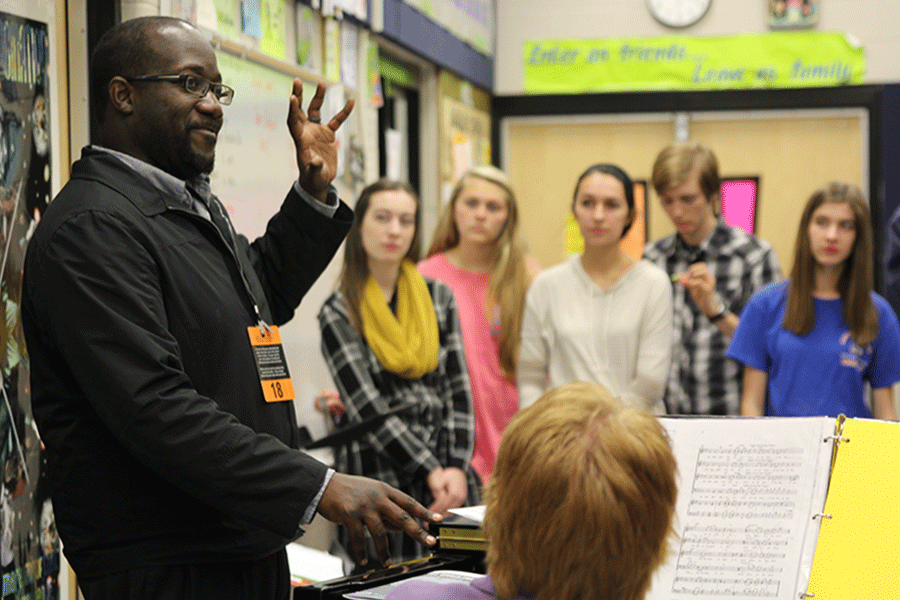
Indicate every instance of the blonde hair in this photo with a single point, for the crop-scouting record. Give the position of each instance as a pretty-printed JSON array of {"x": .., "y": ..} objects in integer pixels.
[
  {"x": 855, "y": 283},
  {"x": 509, "y": 277},
  {"x": 677, "y": 162},
  {"x": 581, "y": 499}
]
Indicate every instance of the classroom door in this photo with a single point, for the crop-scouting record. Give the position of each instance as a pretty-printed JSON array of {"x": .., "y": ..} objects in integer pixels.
[{"x": 792, "y": 153}]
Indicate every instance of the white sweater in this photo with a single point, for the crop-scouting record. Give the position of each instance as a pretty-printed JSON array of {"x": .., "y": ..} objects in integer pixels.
[{"x": 574, "y": 331}]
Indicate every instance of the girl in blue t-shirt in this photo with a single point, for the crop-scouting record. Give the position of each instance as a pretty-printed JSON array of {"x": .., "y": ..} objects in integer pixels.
[{"x": 809, "y": 344}]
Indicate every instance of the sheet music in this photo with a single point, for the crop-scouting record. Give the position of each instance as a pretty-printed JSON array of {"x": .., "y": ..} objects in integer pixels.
[
  {"x": 475, "y": 513},
  {"x": 748, "y": 490}
]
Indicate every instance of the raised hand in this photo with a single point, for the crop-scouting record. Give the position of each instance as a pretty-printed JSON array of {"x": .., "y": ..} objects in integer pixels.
[{"x": 316, "y": 151}]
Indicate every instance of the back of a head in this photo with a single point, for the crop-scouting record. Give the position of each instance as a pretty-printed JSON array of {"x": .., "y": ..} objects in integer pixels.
[
  {"x": 679, "y": 161},
  {"x": 581, "y": 499}
]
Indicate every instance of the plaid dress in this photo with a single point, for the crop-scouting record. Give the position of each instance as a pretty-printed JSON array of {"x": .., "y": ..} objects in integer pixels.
[
  {"x": 438, "y": 432},
  {"x": 702, "y": 380}
]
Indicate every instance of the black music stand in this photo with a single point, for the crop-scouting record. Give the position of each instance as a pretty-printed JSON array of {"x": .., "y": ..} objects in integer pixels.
[{"x": 345, "y": 435}]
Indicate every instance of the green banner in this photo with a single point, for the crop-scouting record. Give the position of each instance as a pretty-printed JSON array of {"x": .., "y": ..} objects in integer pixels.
[{"x": 775, "y": 60}]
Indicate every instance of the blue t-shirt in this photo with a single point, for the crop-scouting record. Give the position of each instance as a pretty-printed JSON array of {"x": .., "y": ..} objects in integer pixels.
[{"x": 823, "y": 372}]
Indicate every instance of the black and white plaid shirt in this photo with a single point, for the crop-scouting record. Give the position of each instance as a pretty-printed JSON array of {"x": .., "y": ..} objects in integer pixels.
[
  {"x": 405, "y": 448},
  {"x": 702, "y": 380}
]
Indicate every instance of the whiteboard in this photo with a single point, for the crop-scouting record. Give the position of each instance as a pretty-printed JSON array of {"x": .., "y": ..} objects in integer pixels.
[
  {"x": 256, "y": 163},
  {"x": 255, "y": 157}
]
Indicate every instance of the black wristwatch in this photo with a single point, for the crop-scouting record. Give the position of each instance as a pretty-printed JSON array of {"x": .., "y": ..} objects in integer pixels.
[{"x": 720, "y": 313}]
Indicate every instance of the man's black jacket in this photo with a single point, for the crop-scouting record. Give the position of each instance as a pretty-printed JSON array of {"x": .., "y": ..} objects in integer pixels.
[{"x": 161, "y": 448}]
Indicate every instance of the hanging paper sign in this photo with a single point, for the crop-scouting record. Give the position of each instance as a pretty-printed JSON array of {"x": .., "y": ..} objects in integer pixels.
[{"x": 776, "y": 60}]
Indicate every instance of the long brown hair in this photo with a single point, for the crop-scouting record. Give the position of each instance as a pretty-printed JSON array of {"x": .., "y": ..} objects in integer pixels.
[
  {"x": 855, "y": 283},
  {"x": 355, "y": 271},
  {"x": 509, "y": 278}
]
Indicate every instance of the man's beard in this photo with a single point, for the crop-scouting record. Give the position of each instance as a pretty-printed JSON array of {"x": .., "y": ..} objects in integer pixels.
[{"x": 195, "y": 161}]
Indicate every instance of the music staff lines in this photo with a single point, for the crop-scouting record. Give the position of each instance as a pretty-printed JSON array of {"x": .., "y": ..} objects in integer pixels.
[
  {"x": 745, "y": 490},
  {"x": 723, "y": 586}
]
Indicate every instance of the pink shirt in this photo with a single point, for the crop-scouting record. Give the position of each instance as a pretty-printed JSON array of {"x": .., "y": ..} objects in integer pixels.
[{"x": 494, "y": 397}]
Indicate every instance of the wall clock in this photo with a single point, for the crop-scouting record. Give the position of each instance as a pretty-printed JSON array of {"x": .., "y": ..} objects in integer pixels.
[{"x": 678, "y": 13}]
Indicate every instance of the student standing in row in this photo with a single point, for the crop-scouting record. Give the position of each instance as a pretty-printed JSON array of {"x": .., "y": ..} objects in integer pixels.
[
  {"x": 811, "y": 343},
  {"x": 477, "y": 252},
  {"x": 716, "y": 268},
  {"x": 391, "y": 337},
  {"x": 601, "y": 316}
]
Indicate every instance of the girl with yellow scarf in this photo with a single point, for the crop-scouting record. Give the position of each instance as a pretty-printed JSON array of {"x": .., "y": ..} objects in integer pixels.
[{"x": 391, "y": 337}]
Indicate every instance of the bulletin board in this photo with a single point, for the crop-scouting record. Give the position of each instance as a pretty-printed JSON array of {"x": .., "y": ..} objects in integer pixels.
[
  {"x": 29, "y": 158},
  {"x": 466, "y": 135},
  {"x": 464, "y": 132}
]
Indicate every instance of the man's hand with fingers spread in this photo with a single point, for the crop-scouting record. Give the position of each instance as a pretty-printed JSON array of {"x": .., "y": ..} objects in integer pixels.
[{"x": 316, "y": 150}]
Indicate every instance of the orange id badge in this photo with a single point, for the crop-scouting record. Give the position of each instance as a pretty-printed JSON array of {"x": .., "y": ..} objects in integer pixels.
[{"x": 271, "y": 363}]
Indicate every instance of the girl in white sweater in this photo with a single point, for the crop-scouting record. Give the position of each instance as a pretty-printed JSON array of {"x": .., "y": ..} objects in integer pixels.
[{"x": 602, "y": 316}]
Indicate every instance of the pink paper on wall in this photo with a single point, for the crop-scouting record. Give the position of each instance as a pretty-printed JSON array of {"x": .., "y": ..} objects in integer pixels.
[{"x": 739, "y": 202}]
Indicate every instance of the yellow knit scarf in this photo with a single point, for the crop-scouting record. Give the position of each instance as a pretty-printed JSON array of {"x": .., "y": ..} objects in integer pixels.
[{"x": 406, "y": 344}]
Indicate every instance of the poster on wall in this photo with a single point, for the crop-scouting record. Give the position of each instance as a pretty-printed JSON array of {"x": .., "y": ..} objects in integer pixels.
[
  {"x": 29, "y": 545},
  {"x": 793, "y": 14},
  {"x": 466, "y": 132},
  {"x": 784, "y": 59},
  {"x": 309, "y": 39},
  {"x": 471, "y": 21}
]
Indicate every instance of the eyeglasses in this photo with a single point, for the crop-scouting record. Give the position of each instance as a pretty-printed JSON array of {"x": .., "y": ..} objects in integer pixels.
[{"x": 193, "y": 84}]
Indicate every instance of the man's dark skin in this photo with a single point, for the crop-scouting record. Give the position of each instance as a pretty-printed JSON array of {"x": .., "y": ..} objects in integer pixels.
[{"x": 162, "y": 124}]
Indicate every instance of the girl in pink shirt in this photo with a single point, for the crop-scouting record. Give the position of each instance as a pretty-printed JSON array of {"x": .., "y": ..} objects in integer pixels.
[{"x": 476, "y": 251}]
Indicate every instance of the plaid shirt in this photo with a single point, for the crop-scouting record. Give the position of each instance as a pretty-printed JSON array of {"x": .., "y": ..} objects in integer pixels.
[
  {"x": 702, "y": 380},
  {"x": 439, "y": 432}
]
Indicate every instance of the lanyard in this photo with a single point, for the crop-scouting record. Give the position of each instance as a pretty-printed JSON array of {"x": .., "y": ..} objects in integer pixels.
[{"x": 222, "y": 224}]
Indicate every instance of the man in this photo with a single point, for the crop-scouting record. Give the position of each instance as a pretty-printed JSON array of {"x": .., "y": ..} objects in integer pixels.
[
  {"x": 172, "y": 474},
  {"x": 715, "y": 268}
]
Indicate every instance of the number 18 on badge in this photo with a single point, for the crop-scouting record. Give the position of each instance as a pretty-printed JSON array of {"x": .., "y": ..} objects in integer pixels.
[{"x": 270, "y": 363}]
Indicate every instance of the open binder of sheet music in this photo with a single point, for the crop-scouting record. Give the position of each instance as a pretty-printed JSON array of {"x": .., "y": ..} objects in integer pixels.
[
  {"x": 750, "y": 503},
  {"x": 781, "y": 508}
]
